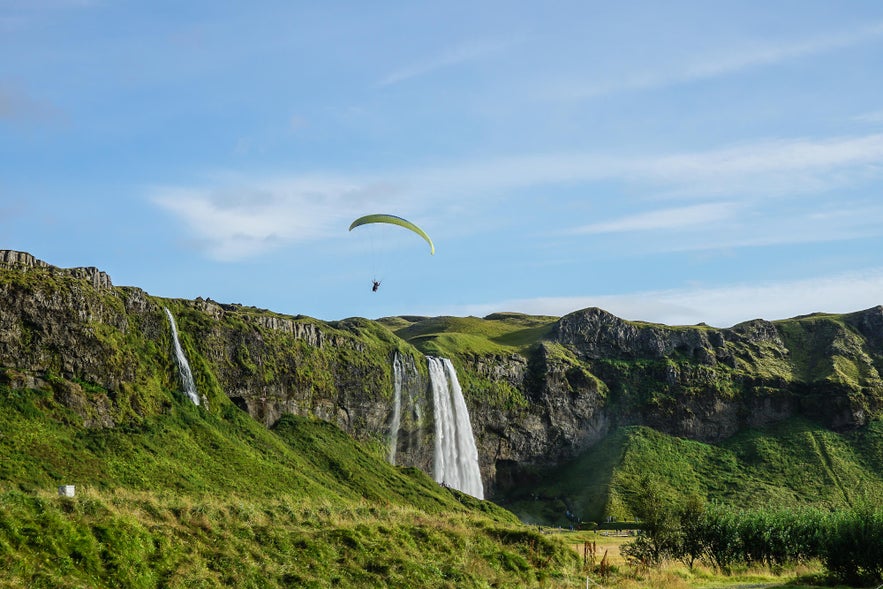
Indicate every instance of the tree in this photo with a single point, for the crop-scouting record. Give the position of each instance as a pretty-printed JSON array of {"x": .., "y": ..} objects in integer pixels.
[
  {"x": 660, "y": 526},
  {"x": 690, "y": 546}
]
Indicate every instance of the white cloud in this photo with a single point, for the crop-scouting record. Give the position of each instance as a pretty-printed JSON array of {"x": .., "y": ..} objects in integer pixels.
[
  {"x": 672, "y": 218},
  {"x": 763, "y": 168},
  {"x": 719, "y": 63},
  {"x": 870, "y": 117},
  {"x": 777, "y": 53},
  {"x": 720, "y": 306},
  {"x": 711, "y": 228},
  {"x": 747, "y": 175},
  {"x": 237, "y": 223},
  {"x": 802, "y": 163},
  {"x": 460, "y": 54}
]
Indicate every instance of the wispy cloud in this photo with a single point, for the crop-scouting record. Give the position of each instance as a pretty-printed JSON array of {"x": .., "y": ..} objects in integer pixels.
[
  {"x": 275, "y": 212},
  {"x": 768, "y": 159},
  {"x": 771, "y": 54},
  {"x": 763, "y": 168},
  {"x": 720, "y": 306},
  {"x": 460, "y": 54},
  {"x": 758, "y": 226},
  {"x": 723, "y": 63},
  {"x": 231, "y": 221},
  {"x": 16, "y": 105},
  {"x": 870, "y": 117},
  {"x": 671, "y": 218}
]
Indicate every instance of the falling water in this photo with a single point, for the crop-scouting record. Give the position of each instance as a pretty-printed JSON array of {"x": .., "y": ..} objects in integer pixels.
[
  {"x": 397, "y": 371},
  {"x": 183, "y": 365},
  {"x": 456, "y": 457}
]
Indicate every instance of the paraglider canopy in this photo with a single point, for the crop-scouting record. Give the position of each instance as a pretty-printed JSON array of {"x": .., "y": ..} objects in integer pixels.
[{"x": 394, "y": 220}]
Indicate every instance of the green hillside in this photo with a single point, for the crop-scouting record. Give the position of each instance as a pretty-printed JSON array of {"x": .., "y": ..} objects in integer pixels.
[
  {"x": 793, "y": 463},
  {"x": 191, "y": 498},
  {"x": 499, "y": 333}
]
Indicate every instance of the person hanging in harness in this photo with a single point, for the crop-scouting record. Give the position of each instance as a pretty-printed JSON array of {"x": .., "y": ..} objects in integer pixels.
[{"x": 391, "y": 220}]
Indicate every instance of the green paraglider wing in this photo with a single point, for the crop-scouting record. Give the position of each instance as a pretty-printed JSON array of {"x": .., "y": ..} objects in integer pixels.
[{"x": 393, "y": 220}]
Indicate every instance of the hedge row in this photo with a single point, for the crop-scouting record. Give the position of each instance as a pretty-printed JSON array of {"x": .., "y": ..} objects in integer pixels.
[{"x": 849, "y": 542}]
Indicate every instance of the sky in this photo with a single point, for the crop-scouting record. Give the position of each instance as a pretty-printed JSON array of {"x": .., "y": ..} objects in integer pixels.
[{"x": 674, "y": 162}]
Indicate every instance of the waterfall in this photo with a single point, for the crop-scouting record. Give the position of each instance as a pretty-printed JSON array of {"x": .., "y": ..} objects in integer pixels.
[
  {"x": 456, "y": 458},
  {"x": 183, "y": 365},
  {"x": 397, "y": 374}
]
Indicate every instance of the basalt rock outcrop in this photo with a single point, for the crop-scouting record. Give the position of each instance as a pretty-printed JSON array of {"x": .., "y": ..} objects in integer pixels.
[
  {"x": 595, "y": 372},
  {"x": 105, "y": 351}
]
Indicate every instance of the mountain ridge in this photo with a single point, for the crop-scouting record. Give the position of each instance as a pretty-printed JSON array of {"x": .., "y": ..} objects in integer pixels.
[{"x": 541, "y": 391}]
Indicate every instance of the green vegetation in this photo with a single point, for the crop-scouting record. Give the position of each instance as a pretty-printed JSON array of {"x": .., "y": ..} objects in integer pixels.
[
  {"x": 846, "y": 541},
  {"x": 497, "y": 334},
  {"x": 793, "y": 463},
  {"x": 138, "y": 539},
  {"x": 193, "y": 498},
  {"x": 825, "y": 348}
]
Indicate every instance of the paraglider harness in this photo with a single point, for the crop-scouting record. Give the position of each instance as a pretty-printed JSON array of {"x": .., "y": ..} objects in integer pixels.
[{"x": 375, "y": 284}]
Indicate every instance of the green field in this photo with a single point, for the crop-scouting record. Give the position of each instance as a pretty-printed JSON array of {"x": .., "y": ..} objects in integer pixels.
[
  {"x": 188, "y": 498},
  {"x": 792, "y": 463}
]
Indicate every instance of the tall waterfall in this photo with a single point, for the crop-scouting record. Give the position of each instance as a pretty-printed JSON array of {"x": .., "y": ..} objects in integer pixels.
[
  {"x": 456, "y": 457},
  {"x": 183, "y": 365},
  {"x": 397, "y": 374}
]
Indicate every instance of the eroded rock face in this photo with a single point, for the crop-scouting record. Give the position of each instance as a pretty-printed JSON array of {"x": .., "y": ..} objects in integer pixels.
[
  {"x": 61, "y": 327},
  {"x": 563, "y": 414},
  {"x": 25, "y": 261},
  {"x": 696, "y": 382}
]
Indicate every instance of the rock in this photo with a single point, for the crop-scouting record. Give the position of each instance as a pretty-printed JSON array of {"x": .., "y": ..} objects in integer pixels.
[{"x": 25, "y": 261}]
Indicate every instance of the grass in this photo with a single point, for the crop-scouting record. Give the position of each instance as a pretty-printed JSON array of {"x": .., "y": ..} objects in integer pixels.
[
  {"x": 189, "y": 498},
  {"x": 675, "y": 575},
  {"x": 496, "y": 334},
  {"x": 126, "y": 538},
  {"x": 796, "y": 462}
]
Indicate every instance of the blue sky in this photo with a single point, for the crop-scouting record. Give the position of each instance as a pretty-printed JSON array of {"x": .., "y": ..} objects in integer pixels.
[{"x": 678, "y": 162}]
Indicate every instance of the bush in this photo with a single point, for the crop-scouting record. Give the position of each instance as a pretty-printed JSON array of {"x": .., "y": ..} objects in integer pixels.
[
  {"x": 852, "y": 548},
  {"x": 847, "y": 542}
]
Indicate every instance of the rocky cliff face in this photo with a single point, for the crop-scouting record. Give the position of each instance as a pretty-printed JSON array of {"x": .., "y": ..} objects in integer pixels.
[
  {"x": 595, "y": 372},
  {"x": 106, "y": 351}
]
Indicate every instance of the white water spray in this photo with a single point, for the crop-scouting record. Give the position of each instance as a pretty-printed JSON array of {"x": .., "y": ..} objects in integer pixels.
[
  {"x": 183, "y": 365},
  {"x": 456, "y": 457},
  {"x": 397, "y": 372}
]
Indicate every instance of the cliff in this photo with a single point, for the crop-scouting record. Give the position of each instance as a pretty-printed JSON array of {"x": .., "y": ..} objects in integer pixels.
[
  {"x": 106, "y": 350},
  {"x": 541, "y": 390},
  {"x": 546, "y": 399}
]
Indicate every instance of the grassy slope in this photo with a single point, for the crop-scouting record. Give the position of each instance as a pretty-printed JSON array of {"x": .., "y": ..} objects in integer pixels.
[
  {"x": 497, "y": 334},
  {"x": 794, "y": 462},
  {"x": 193, "y": 498}
]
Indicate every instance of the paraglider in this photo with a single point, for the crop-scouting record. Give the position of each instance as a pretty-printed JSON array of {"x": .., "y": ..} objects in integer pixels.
[{"x": 393, "y": 220}]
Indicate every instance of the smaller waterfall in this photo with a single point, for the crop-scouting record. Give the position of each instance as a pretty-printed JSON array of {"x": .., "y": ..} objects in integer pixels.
[
  {"x": 183, "y": 365},
  {"x": 397, "y": 372},
  {"x": 456, "y": 457}
]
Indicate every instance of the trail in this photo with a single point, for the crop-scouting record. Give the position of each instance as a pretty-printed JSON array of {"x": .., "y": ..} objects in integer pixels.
[{"x": 822, "y": 450}]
